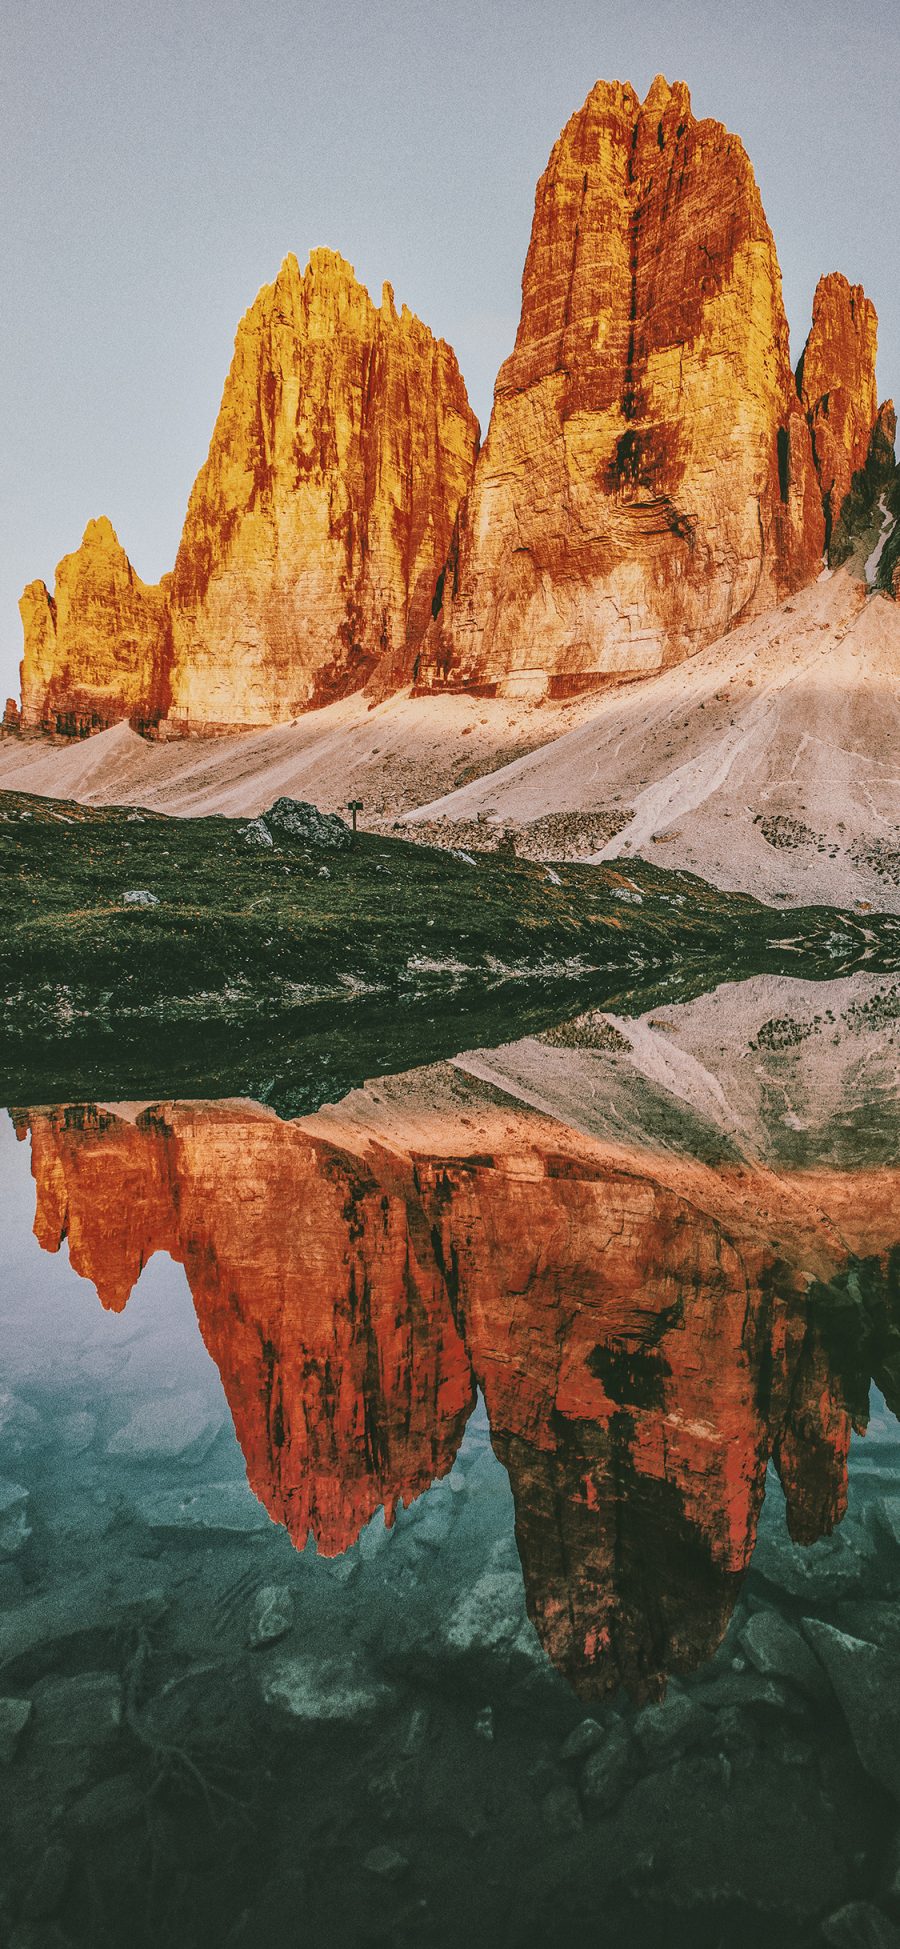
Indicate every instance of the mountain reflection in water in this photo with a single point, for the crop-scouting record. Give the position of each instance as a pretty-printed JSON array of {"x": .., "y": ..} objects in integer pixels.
[{"x": 651, "y": 1317}]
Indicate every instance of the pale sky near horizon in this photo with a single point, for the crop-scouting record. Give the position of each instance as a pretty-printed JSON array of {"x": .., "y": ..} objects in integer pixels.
[{"x": 160, "y": 159}]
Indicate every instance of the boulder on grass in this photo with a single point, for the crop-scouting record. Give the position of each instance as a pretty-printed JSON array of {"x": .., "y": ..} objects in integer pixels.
[{"x": 306, "y": 822}]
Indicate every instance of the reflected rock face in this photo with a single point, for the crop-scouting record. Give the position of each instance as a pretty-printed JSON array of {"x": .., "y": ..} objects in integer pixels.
[
  {"x": 640, "y": 1326},
  {"x": 647, "y": 480}
]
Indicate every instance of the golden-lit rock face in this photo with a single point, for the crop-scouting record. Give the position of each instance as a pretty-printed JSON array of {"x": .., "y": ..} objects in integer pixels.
[
  {"x": 639, "y": 1325},
  {"x": 97, "y": 650},
  {"x": 836, "y": 379},
  {"x": 317, "y": 529},
  {"x": 647, "y": 479},
  {"x": 650, "y": 478},
  {"x": 314, "y": 536}
]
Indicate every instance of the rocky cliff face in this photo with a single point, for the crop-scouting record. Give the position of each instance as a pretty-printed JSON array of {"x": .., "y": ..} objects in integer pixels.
[
  {"x": 97, "y": 650},
  {"x": 647, "y": 479},
  {"x": 314, "y": 535},
  {"x": 639, "y": 1327},
  {"x": 317, "y": 529},
  {"x": 650, "y": 478},
  {"x": 344, "y": 1369},
  {"x": 836, "y": 382}
]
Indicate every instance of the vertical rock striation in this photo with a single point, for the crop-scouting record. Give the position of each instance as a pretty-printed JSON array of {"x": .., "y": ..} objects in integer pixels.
[
  {"x": 97, "y": 650},
  {"x": 647, "y": 479},
  {"x": 653, "y": 475},
  {"x": 836, "y": 383},
  {"x": 317, "y": 528},
  {"x": 314, "y": 535}
]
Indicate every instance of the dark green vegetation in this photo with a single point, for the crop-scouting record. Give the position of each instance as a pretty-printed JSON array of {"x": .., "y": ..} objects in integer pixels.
[
  {"x": 291, "y": 972},
  {"x": 890, "y": 559},
  {"x": 874, "y": 488}
]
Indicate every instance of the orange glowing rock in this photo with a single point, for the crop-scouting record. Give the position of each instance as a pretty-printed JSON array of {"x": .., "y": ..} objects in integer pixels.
[
  {"x": 318, "y": 526},
  {"x": 647, "y": 478},
  {"x": 97, "y": 650},
  {"x": 651, "y": 476},
  {"x": 314, "y": 536},
  {"x": 836, "y": 381}
]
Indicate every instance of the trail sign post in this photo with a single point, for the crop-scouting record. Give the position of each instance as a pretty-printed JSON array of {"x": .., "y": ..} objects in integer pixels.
[{"x": 354, "y": 806}]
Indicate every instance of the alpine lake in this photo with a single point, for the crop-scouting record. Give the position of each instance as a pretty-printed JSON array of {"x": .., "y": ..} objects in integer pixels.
[{"x": 448, "y": 1417}]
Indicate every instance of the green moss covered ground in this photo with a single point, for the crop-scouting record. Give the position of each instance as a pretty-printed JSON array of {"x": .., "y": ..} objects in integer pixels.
[{"x": 373, "y": 958}]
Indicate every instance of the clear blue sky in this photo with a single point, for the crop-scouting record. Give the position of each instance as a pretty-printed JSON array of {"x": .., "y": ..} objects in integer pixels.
[{"x": 159, "y": 160}]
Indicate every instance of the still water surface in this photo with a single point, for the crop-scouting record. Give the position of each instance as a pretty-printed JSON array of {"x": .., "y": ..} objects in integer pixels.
[{"x": 471, "y": 1512}]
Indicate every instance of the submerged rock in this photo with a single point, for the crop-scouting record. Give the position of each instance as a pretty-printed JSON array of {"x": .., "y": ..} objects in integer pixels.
[
  {"x": 323, "y": 1689},
  {"x": 164, "y": 1428},
  {"x": 228, "y": 1506},
  {"x": 14, "y": 1527},
  {"x": 860, "y": 1925},
  {"x": 76, "y": 1432},
  {"x": 272, "y": 1615},
  {"x": 386, "y": 1863},
  {"x": 46, "y": 1892},
  {"x": 822, "y": 1573},
  {"x": 582, "y": 1740},
  {"x": 491, "y": 1618},
  {"x": 415, "y": 1733},
  {"x": 884, "y": 1516},
  {"x": 776, "y": 1650},
  {"x": 561, "y": 1811},
  {"x": 85, "y": 1710},
  {"x": 484, "y": 1724},
  {"x": 670, "y": 1728},
  {"x": 866, "y": 1683},
  {"x": 19, "y": 1425},
  {"x": 14, "y": 1717},
  {"x": 607, "y": 1772},
  {"x": 113, "y": 1803}
]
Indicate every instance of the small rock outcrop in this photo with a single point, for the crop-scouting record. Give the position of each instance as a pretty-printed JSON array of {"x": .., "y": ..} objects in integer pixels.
[
  {"x": 97, "y": 650},
  {"x": 647, "y": 479},
  {"x": 304, "y": 821},
  {"x": 837, "y": 387}
]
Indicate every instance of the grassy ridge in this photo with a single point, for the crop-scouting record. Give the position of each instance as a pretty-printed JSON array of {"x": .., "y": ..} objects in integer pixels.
[{"x": 285, "y": 941}]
